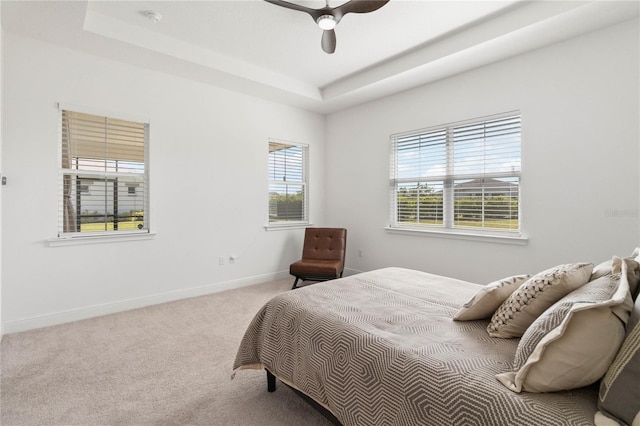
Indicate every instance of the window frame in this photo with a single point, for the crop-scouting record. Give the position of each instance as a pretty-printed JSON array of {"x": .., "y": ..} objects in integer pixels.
[
  {"x": 304, "y": 182},
  {"x": 70, "y": 238},
  {"x": 448, "y": 228}
]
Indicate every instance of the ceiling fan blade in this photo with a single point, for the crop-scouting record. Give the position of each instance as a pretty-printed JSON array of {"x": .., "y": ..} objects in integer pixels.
[
  {"x": 360, "y": 6},
  {"x": 329, "y": 41},
  {"x": 314, "y": 13}
]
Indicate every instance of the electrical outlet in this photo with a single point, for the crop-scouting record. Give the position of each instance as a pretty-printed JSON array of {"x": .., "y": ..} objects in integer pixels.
[
  {"x": 360, "y": 253},
  {"x": 221, "y": 261},
  {"x": 232, "y": 258}
]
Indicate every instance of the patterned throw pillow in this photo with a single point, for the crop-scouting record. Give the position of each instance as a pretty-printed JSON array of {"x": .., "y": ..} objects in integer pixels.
[
  {"x": 484, "y": 303},
  {"x": 533, "y": 297},
  {"x": 619, "y": 397},
  {"x": 572, "y": 343}
]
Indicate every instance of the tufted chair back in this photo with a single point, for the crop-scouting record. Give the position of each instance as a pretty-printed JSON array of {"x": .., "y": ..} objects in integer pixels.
[{"x": 324, "y": 243}]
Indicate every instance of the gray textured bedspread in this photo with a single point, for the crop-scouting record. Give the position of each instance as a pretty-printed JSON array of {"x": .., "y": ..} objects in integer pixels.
[{"x": 381, "y": 348}]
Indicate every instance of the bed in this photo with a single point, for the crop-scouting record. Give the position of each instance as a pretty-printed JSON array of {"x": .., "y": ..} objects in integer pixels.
[{"x": 381, "y": 348}]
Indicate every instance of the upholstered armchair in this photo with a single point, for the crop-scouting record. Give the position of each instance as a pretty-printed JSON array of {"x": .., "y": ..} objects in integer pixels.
[{"x": 323, "y": 255}]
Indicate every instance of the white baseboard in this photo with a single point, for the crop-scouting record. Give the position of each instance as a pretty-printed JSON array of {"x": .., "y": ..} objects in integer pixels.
[
  {"x": 125, "y": 305},
  {"x": 349, "y": 271}
]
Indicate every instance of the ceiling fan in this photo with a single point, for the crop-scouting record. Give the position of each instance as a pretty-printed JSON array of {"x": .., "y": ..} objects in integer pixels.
[{"x": 328, "y": 17}]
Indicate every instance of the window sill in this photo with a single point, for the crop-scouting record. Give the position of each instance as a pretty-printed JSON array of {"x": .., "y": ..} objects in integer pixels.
[
  {"x": 461, "y": 235},
  {"x": 99, "y": 239},
  {"x": 297, "y": 225}
]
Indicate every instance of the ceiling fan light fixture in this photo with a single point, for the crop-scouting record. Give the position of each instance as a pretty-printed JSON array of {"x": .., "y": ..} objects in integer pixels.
[
  {"x": 327, "y": 22},
  {"x": 328, "y": 17}
]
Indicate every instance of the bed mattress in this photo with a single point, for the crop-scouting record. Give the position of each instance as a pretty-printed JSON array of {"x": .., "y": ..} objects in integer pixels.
[{"x": 381, "y": 348}]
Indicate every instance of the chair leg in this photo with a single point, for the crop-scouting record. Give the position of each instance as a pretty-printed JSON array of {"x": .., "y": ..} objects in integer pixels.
[{"x": 295, "y": 283}]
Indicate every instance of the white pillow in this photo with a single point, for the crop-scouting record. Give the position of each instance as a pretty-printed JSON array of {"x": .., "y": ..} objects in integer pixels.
[{"x": 484, "y": 303}]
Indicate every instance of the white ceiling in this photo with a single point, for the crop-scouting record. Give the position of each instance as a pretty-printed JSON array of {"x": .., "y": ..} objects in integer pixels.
[{"x": 258, "y": 48}]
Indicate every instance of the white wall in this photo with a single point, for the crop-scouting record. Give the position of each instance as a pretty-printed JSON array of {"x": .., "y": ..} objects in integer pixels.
[
  {"x": 581, "y": 146},
  {"x": 1, "y": 171},
  {"x": 208, "y": 187},
  {"x": 580, "y": 150}
]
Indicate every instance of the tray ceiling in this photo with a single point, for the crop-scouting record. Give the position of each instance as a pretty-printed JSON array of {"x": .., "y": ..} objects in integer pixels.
[{"x": 261, "y": 49}]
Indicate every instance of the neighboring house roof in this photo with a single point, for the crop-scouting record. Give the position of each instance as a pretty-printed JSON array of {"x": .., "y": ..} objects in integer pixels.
[{"x": 490, "y": 185}]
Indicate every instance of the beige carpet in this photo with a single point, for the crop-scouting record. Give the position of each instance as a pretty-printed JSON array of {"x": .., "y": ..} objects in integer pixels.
[{"x": 168, "y": 364}]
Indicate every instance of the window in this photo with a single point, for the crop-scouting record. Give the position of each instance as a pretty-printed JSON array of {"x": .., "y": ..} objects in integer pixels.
[
  {"x": 103, "y": 175},
  {"x": 462, "y": 177},
  {"x": 288, "y": 194}
]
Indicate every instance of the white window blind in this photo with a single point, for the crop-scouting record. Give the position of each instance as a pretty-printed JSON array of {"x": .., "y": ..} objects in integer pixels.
[
  {"x": 464, "y": 175},
  {"x": 103, "y": 185},
  {"x": 288, "y": 194}
]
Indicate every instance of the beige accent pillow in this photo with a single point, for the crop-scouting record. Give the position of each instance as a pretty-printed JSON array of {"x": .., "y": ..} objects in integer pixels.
[
  {"x": 533, "y": 297},
  {"x": 600, "y": 270},
  {"x": 484, "y": 303},
  {"x": 572, "y": 344},
  {"x": 633, "y": 272},
  {"x": 604, "y": 268}
]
